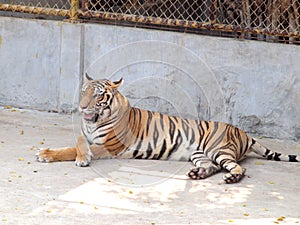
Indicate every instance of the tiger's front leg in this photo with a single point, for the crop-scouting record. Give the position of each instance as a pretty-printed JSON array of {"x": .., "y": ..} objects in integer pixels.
[
  {"x": 61, "y": 154},
  {"x": 86, "y": 152},
  {"x": 83, "y": 153},
  {"x": 80, "y": 154}
]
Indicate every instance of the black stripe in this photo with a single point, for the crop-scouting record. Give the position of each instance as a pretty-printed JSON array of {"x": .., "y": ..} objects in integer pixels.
[
  {"x": 138, "y": 147},
  {"x": 224, "y": 160},
  {"x": 109, "y": 99},
  {"x": 212, "y": 145},
  {"x": 148, "y": 121},
  {"x": 206, "y": 123},
  {"x": 185, "y": 128},
  {"x": 104, "y": 124},
  {"x": 100, "y": 135},
  {"x": 241, "y": 146},
  {"x": 175, "y": 118},
  {"x": 139, "y": 156},
  {"x": 135, "y": 152},
  {"x": 293, "y": 158},
  {"x": 210, "y": 135},
  {"x": 148, "y": 151},
  {"x": 201, "y": 136},
  {"x": 155, "y": 134},
  {"x": 267, "y": 152},
  {"x": 277, "y": 156},
  {"x": 270, "y": 157},
  {"x": 134, "y": 115},
  {"x": 175, "y": 146},
  {"x": 192, "y": 139},
  {"x": 172, "y": 129},
  {"x": 162, "y": 150},
  {"x": 161, "y": 121},
  {"x": 245, "y": 148}
]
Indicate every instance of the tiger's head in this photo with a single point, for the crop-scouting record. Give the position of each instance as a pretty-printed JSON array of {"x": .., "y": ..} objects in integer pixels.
[{"x": 97, "y": 98}]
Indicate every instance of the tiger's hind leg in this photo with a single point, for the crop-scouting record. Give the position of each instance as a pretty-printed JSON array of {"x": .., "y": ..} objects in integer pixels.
[{"x": 204, "y": 167}]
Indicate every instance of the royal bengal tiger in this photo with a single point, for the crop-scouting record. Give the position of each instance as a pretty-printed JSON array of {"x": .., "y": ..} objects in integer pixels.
[{"x": 112, "y": 128}]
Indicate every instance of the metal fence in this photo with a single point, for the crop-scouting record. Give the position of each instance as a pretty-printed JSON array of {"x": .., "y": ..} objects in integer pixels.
[{"x": 268, "y": 20}]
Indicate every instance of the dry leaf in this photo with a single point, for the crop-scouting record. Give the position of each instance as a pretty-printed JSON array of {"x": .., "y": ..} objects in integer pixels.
[
  {"x": 280, "y": 218},
  {"x": 33, "y": 148},
  {"x": 8, "y": 107},
  {"x": 21, "y": 159}
]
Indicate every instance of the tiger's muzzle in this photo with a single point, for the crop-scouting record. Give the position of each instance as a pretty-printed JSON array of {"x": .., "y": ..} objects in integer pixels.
[
  {"x": 89, "y": 115},
  {"x": 93, "y": 115}
]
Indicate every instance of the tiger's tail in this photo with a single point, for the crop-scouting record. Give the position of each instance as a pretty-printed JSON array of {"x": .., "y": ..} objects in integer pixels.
[{"x": 270, "y": 155}]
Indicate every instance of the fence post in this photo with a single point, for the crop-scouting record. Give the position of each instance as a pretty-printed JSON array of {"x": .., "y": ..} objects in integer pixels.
[{"x": 74, "y": 10}]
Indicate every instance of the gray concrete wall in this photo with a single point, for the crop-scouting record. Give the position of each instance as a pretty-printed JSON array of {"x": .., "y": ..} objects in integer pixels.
[{"x": 253, "y": 85}]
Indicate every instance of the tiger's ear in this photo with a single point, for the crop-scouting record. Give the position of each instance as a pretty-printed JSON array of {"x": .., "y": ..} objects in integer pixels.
[
  {"x": 117, "y": 84},
  {"x": 86, "y": 78}
]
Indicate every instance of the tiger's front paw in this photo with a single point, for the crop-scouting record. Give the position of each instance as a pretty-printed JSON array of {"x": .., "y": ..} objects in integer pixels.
[
  {"x": 44, "y": 155},
  {"x": 83, "y": 161}
]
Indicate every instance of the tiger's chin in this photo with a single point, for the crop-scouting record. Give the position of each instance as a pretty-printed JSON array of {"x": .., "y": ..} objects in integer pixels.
[{"x": 91, "y": 117}]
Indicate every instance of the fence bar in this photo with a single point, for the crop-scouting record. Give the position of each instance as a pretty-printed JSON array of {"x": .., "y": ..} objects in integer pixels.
[
  {"x": 74, "y": 10},
  {"x": 186, "y": 23},
  {"x": 34, "y": 10}
]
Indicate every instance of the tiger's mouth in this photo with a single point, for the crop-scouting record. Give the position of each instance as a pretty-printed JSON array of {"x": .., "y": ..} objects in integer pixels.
[{"x": 91, "y": 117}]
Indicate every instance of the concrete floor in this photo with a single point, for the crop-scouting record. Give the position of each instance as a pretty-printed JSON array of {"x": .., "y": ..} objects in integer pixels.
[{"x": 131, "y": 191}]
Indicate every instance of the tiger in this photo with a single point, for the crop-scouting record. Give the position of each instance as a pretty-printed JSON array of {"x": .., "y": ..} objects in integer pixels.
[{"x": 111, "y": 128}]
